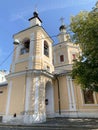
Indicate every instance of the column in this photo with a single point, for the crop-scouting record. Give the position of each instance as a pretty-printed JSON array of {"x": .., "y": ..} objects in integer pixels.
[
  {"x": 27, "y": 96},
  {"x": 31, "y": 55},
  {"x": 8, "y": 97},
  {"x": 36, "y": 96},
  {"x": 69, "y": 93},
  {"x": 73, "y": 95},
  {"x": 15, "y": 56}
]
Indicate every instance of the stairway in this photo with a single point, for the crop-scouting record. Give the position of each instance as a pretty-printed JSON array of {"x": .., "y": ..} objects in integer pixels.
[{"x": 57, "y": 124}]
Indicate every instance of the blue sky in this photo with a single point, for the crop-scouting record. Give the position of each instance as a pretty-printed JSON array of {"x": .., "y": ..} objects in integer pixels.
[{"x": 14, "y": 15}]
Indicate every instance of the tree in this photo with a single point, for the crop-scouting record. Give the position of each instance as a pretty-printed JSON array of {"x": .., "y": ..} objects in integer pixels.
[{"x": 85, "y": 33}]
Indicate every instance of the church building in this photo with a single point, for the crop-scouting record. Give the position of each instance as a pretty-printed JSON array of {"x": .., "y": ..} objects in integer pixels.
[{"x": 39, "y": 85}]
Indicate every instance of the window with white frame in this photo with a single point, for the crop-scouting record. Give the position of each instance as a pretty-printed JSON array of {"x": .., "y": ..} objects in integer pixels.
[
  {"x": 61, "y": 58},
  {"x": 88, "y": 96}
]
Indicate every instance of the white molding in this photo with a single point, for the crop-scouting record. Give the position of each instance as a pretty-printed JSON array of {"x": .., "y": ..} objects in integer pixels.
[
  {"x": 72, "y": 93},
  {"x": 94, "y": 95},
  {"x": 15, "y": 59},
  {"x": 22, "y": 60},
  {"x": 50, "y": 53},
  {"x": 17, "y": 52},
  {"x": 71, "y": 96},
  {"x": 78, "y": 114},
  {"x": 31, "y": 71},
  {"x": 69, "y": 93},
  {"x": 24, "y": 119},
  {"x": 82, "y": 98},
  {"x": 28, "y": 88},
  {"x": 8, "y": 97},
  {"x": 54, "y": 58},
  {"x": 90, "y": 105},
  {"x": 30, "y": 64},
  {"x": 42, "y": 45},
  {"x": 36, "y": 103}
]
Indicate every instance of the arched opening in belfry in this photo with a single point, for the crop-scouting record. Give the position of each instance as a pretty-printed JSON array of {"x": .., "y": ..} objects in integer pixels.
[{"x": 25, "y": 46}]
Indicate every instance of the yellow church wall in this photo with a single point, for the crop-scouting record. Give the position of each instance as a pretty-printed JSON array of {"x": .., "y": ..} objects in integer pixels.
[
  {"x": 63, "y": 94},
  {"x": 3, "y": 99},
  {"x": 17, "y": 95},
  {"x": 60, "y": 50},
  {"x": 21, "y": 66},
  {"x": 40, "y": 61},
  {"x": 72, "y": 50},
  {"x": 24, "y": 56}
]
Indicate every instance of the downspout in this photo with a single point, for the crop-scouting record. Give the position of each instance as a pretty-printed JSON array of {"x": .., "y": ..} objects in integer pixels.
[{"x": 59, "y": 103}]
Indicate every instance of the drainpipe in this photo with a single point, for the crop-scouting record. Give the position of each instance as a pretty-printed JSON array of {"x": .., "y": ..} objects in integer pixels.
[{"x": 59, "y": 103}]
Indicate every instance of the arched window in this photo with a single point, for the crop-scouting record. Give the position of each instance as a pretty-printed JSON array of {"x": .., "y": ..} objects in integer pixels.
[
  {"x": 25, "y": 46},
  {"x": 46, "y": 49},
  {"x": 88, "y": 97},
  {"x": 73, "y": 56},
  {"x": 61, "y": 58}
]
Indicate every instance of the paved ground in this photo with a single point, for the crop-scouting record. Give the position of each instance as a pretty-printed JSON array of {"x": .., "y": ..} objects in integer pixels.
[{"x": 56, "y": 124}]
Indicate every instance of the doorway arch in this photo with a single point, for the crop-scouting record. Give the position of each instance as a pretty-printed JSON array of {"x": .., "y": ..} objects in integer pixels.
[{"x": 49, "y": 100}]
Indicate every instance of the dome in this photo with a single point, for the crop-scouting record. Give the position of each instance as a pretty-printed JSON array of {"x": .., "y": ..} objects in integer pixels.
[
  {"x": 35, "y": 14},
  {"x": 62, "y": 27}
]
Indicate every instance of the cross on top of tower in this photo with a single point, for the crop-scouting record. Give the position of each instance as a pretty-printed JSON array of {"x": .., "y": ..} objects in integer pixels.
[
  {"x": 62, "y": 20},
  {"x": 62, "y": 27},
  {"x": 35, "y": 8}
]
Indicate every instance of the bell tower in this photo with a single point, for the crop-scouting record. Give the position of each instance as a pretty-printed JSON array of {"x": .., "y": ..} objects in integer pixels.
[
  {"x": 65, "y": 51},
  {"x": 31, "y": 68},
  {"x": 33, "y": 44}
]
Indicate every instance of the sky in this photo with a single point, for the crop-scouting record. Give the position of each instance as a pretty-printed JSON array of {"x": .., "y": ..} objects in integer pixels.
[{"x": 14, "y": 15}]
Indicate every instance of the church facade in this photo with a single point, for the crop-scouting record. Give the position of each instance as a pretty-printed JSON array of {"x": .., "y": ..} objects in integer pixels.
[{"x": 39, "y": 85}]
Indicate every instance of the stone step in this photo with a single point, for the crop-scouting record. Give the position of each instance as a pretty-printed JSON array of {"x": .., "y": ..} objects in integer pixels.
[{"x": 57, "y": 123}]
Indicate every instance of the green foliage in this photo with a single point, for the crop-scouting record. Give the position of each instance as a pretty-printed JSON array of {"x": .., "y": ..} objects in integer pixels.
[{"x": 85, "y": 33}]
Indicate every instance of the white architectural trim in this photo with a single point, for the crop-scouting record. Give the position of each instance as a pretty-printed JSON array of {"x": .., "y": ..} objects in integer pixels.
[
  {"x": 30, "y": 64},
  {"x": 43, "y": 72},
  {"x": 28, "y": 88},
  {"x": 94, "y": 95},
  {"x": 43, "y": 45},
  {"x": 82, "y": 99},
  {"x": 73, "y": 95},
  {"x": 54, "y": 58},
  {"x": 50, "y": 53},
  {"x": 22, "y": 60},
  {"x": 78, "y": 114},
  {"x": 8, "y": 97},
  {"x": 17, "y": 52},
  {"x": 69, "y": 93},
  {"x": 36, "y": 95}
]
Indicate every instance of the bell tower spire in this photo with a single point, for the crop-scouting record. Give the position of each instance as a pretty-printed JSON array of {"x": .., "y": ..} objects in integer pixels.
[
  {"x": 35, "y": 20},
  {"x": 62, "y": 27},
  {"x": 63, "y": 36}
]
